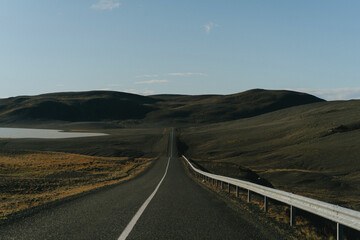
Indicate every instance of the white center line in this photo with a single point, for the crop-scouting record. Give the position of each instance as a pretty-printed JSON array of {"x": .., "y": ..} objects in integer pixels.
[
  {"x": 138, "y": 214},
  {"x": 133, "y": 221}
]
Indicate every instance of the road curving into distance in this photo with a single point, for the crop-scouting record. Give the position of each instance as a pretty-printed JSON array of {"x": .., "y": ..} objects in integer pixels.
[{"x": 162, "y": 203}]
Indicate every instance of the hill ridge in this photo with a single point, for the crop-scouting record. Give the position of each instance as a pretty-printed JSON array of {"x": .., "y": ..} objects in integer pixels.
[{"x": 174, "y": 108}]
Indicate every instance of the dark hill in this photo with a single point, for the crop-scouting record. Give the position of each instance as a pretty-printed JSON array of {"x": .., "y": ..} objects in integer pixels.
[
  {"x": 311, "y": 150},
  {"x": 219, "y": 108},
  {"x": 107, "y": 105},
  {"x": 82, "y": 106}
]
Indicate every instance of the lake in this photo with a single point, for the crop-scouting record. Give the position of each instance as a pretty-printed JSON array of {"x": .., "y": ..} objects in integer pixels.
[{"x": 43, "y": 133}]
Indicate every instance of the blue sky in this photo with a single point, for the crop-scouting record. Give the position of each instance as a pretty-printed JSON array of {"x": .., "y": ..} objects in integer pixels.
[{"x": 182, "y": 47}]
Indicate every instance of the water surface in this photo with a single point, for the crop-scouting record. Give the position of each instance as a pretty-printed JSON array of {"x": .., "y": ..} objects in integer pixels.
[{"x": 43, "y": 133}]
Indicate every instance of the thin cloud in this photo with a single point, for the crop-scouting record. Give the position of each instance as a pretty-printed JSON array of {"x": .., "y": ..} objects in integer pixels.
[
  {"x": 104, "y": 89},
  {"x": 186, "y": 74},
  {"x": 165, "y": 77},
  {"x": 333, "y": 94},
  {"x": 106, "y": 5},
  {"x": 144, "y": 92},
  {"x": 148, "y": 76},
  {"x": 153, "y": 81},
  {"x": 209, "y": 26},
  {"x": 114, "y": 85}
]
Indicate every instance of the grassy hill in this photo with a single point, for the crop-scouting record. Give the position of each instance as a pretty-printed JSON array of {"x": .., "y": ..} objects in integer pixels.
[
  {"x": 283, "y": 139},
  {"x": 82, "y": 106},
  {"x": 312, "y": 150},
  {"x": 170, "y": 109},
  {"x": 219, "y": 108}
]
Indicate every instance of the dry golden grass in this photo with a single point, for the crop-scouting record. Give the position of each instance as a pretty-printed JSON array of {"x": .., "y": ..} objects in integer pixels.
[{"x": 29, "y": 179}]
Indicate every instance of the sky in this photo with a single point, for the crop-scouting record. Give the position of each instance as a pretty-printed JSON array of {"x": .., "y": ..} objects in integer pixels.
[{"x": 180, "y": 47}]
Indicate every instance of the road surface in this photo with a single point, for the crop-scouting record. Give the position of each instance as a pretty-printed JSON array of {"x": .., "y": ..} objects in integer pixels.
[{"x": 162, "y": 203}]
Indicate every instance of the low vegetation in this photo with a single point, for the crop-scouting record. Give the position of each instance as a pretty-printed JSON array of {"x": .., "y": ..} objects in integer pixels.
[
  {"x": 38, "y": 171},
  {"x": 32, "y": 178},
  {"x": 129, "y": 109},
  {"x": 311, "y": 150}
]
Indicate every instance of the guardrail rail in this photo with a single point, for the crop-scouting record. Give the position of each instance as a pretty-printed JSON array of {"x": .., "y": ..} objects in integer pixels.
[{"x": 340, "y": 215}]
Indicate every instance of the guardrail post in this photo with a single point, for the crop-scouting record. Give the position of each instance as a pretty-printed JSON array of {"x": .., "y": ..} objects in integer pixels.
[
  {"x": 292, "y": 216},
  {"x": 341, "y": 216},
  {"x": 339, "y": 231},
  {"x": 229, "y": 187},
  {"x": 265, "y": 204}
]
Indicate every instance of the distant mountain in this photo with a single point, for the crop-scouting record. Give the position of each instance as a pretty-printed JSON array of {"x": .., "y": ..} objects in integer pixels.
[
  {"x": 311, "y": 150},
  {"x": 108, "y": 105},
  {"x": 77, "y": 106},
  {"x": 219, "y": 108}
]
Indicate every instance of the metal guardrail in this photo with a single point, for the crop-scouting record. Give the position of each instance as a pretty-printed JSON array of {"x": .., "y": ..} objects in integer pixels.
[{"x": 340, "y": 215}]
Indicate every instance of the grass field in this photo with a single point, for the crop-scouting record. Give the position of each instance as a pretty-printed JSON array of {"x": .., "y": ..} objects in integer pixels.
[
  {"x": 38, "y": 171},
  {"x": 312, "y": 150},
  {"x": 29, "y": 179}
]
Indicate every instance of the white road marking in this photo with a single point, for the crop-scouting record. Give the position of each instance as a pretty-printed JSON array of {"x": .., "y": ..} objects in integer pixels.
[
  {"x": 172, "y": 142},
  {"x": 138, "y": 214},
  {"x": 133, "y": 221}
]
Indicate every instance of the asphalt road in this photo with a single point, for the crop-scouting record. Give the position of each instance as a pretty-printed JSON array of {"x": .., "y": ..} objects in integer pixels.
[{"x": 180, "y": 209}]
